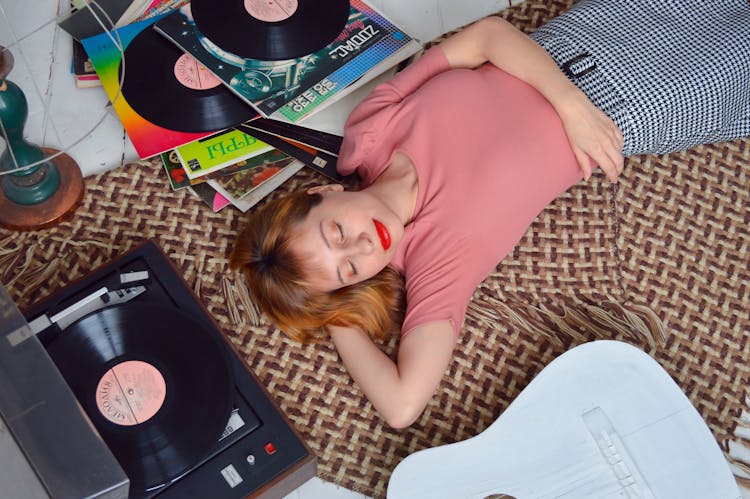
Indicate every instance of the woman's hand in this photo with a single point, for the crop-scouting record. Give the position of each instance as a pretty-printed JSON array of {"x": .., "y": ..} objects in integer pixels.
[{"x": 593, "y": 136}]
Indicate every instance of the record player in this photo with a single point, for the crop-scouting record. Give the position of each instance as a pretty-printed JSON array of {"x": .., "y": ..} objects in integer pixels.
[{"x": 162, "y": 386}]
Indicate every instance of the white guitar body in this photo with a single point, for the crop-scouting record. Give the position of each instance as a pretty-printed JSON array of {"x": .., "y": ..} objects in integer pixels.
[{"x": 603, "y": 420}]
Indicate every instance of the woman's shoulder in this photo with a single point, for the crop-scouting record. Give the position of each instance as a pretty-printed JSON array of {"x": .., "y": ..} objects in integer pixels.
[
  {"x": 364, "y": 127},
  {"x": 372, "y": 118}
]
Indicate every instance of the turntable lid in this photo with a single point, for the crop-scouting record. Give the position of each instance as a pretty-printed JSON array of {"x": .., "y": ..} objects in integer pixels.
[{"x": 53, "y": 445}]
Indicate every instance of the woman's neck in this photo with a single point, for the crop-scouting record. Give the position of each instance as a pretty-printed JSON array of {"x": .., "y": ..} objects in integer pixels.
[{"x": 397, "y": 186}]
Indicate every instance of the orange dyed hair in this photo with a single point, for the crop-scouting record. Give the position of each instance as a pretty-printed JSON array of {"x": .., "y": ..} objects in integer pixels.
[{"x": 276, "y": 277}]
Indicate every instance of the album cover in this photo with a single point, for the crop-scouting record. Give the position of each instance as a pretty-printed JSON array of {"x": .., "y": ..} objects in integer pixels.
[
  {"x": 163, "y": 96},
  {"x": 82, "y": 23},
  {"x": 293, "y": 89},
  {"x": 209, "y": 195},
  {"x": 246, "y": 188},
  {"x": 82, "y": 69},
  {"x": 88, "y": 18},
  {"x": 318, "y": 160},
  {"x": 148, "y": 138},
  {"x": 146, "y": 9},
  {"x": 178, "y": 179},
  {"x": 323, "y": 141},
  {"x": 264, "y": 189},
  {"x": 218, "y": 151}
]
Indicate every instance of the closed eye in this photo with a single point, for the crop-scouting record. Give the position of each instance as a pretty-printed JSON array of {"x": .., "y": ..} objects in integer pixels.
[
  {"x": 341, "y": 232},
  {"x": 353, "y": 267}
]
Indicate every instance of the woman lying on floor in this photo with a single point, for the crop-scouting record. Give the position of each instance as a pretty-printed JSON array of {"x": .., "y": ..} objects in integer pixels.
[{"x": 458, "y": 154}]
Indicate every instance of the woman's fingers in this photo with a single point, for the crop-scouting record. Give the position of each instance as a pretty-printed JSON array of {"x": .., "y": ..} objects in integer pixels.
[
  {"x": 584, "y": 163},
  {"x": 619, "y": 141},
  {"x": 609, "y": 156},
  {"x": 593, "y": 136},
  {"x": 611, "y": 164},
  {"x": 606, "y": 154}
]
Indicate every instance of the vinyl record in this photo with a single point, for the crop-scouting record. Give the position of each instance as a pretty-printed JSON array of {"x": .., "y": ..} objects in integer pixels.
[
  {"x": 157, "y": 386},
  {"x": 154, "y": 69},
  {"x": 270, "y": 30}
]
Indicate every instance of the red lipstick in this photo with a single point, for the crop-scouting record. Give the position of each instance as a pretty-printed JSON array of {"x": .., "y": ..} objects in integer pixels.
[{"x": 385, "y": 237}]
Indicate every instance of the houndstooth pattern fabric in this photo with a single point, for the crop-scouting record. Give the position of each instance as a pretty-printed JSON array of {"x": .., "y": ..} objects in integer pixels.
[{"x": 682, "y": 81}]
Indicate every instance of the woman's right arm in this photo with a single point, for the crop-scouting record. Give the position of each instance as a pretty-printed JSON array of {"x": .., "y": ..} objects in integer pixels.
[{"x": 399, "y": 391}]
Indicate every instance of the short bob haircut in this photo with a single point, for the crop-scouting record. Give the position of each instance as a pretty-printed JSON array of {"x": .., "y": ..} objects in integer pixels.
[{"x": 263, "y": 252}]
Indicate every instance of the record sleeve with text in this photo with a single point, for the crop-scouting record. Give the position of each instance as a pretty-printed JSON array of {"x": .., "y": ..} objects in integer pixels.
[
  {"x": 218, "y": 151},
  {"x": 293, "y": 89},
  {"x": 178, "y": 179}
]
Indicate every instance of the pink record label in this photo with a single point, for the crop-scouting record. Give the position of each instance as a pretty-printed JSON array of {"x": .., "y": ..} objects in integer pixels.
[
  {"x": 271, "y": 11},
  {"x": 131, "y": 393},
  {"x": 193, "y": 74}
]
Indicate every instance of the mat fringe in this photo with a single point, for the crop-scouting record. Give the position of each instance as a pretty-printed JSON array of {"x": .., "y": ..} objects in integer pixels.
[
  {"x": 251, "y": 308},
  {"x": 576, "y": 320},
  {"x": 20, "y": 265},
  {"x": 737, "y": 450},
  {"x": 14, "y": 260},
  {"x": 67, "y": 241},
  {"x": 234, "y": 289}
]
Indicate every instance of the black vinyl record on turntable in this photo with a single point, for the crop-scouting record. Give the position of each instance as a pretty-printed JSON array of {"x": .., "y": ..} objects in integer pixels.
[
  {"x": 270, "y": 30},
  {"x": 148, "y": 377},
  {"x": 164, "y": 388},
  {"x": 171, "y": 89}
]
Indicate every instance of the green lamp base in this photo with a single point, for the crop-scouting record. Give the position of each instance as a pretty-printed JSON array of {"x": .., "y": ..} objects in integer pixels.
[{"x": 64, "y": 201}]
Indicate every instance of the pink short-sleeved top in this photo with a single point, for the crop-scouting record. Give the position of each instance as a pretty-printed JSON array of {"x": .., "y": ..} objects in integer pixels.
[{"x": 490, "y": 153}]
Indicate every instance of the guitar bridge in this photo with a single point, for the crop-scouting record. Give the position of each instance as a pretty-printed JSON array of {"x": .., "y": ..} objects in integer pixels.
[{"x": 616, "y": 455}]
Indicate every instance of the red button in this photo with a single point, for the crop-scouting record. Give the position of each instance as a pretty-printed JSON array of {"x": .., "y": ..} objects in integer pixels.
[{"x": 270, "y": 448}]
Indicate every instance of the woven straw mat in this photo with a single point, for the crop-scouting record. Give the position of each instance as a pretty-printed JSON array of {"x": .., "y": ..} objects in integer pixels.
[{"x": 672, "y": 235}]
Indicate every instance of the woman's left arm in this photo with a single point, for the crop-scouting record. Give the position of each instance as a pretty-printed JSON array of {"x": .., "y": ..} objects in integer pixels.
[
  {"x": 591, "y": 133},
  {"x": 399, "y": 390}
]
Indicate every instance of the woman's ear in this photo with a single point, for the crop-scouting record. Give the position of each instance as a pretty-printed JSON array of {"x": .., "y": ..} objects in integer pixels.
[{"x": 322, "y": 189}]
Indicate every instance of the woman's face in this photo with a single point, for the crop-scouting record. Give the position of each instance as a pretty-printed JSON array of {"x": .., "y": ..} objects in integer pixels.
[{"x": 347, "y": 238}]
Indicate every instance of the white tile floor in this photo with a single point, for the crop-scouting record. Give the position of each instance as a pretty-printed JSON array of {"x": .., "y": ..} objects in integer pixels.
[
  {"x": 80, "y": 121},
  {"x": 318, "y": 489}
]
